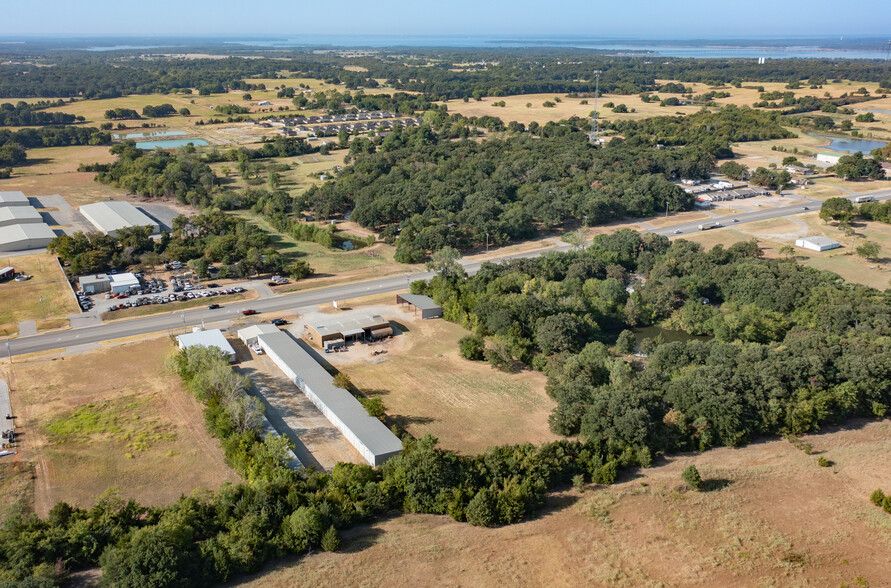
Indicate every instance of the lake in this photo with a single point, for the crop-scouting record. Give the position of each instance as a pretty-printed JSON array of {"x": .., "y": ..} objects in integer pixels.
[
  {"x": 642, "y": 333},
  {"x": 148, "y": 134},
  {"x": 850, "y": 144},
  {"x": 170, "y": 144}
]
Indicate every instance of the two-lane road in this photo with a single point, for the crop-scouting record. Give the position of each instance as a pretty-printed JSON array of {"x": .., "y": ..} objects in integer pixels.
[{"x": 193, "y": 317}]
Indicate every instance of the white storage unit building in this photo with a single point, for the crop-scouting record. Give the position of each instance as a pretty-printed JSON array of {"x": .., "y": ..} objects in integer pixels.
[
  {"x": 13, "y": 199},
  {"x": 248, "y": 335},
  {"x": 26, "y": 236},
  {"x": 818, "y": 243},
  {"x": 123, "y": 282},
  {"x": 367, "y": 434},
  {"x": 209, "y": 338},
  {"x": 111, "y": 217},
  {"x": 19, "y": 215}
]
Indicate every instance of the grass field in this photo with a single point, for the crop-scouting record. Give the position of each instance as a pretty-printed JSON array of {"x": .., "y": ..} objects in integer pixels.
[
  {"x": 20, "y": 301},
  {"x": 113, "y": 418},
  {"x": 428, "y": 388},
  {"x": 773, "y": 518}
]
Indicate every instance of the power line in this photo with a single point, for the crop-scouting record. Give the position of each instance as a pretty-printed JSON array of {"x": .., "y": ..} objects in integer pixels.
[{"x": 595, "y": 126}]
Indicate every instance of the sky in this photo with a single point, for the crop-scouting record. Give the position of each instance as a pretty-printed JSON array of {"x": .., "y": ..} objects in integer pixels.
[{"x": 663, "y": 19}]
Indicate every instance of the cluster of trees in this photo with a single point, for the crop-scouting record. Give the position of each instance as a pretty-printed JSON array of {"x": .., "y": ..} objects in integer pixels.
[
  {"x": 782, "y": 348},
  {"x": 23, "y": 114},
  {"x": 159, "y": 111},
  {"x": 208, "y": 538},
  {"x": 876, "y": 211},
  {"x": 854, "y": 167},
  {"x": 14, "y": 144},
  {"x": 122, "y": 114}
]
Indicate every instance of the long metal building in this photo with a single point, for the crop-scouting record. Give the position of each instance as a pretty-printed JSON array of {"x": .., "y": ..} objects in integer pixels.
[
  {"x": 26, "y": 236},
  {"x": 111, "y": 217},
  {"x": 367, "y": 434},
  {"x": 19, "y": 215}
]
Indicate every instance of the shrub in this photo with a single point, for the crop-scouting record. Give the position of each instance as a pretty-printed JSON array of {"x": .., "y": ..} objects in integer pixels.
[
  {"x": 482, "y": 510},
  {"x": 886, "y": 504},
  {"x": 691, "y": 477},
  {"x": 472, "y": 347},
  {"x": 342, "y": 380},
  {"x": 877, "y": 497},
  {"x": 331, "y": 540},
  {"x": 823, "y": 462},
  {"x": 375, "y": 407}
]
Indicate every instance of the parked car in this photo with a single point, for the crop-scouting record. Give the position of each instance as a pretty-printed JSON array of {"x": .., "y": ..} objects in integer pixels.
[
  {"x": 213, "y": 306},
  {"x": 248, "y": 312},
  {"x": 278, "y": 322}
]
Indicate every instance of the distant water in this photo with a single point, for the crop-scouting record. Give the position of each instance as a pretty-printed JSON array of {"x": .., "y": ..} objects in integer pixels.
[
  {"x": 850, "y": 144},
  {"x": 704, "y": 49},
  {"x": 170, "y": 144},
  {"x": 149, "y": 134}
]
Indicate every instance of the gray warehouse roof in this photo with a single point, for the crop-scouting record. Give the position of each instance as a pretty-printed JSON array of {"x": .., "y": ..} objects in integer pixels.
[
  {"x": 820, "y": 241},
  {"x": 372, "y": 433},
  {"x": 25, "y": 236},
  {"x": 13, "y": 199},
  {"x": 209, "y": 338},
  {"x": 19, "y": 214},
  {"x": 109, "y": 217},
  {"x": 349, "y": 324},
  {"x": 420, "y": 301}
]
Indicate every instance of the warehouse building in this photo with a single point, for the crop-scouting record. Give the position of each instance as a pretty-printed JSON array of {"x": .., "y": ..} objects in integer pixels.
[
  {"x": 817, "y": 243},
  {"x": 13, "y": 199},
  {"x": 121, "y": 283},
  {"x": 429, "y": 309},
  {"x": 94, "y": 284},
  {"x": 209, "y": 338},
  {"x": 25, "y": 236},
  {"x": 248, "y": 335},
  {"x": 348, "y": 327},
  {"x": 111, "y": 217},
  {"x": 367, "y": 434},
  {"x": 19, "y": 215}
]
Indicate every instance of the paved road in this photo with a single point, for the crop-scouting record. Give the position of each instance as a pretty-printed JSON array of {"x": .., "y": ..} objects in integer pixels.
[{"x": 179, "y": 320}]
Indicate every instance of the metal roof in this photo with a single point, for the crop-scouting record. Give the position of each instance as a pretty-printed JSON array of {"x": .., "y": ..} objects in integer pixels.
[
  {"x": 93, "y": 279},
  {"x": 819, "y": 240},
  {"x": 19, "y": 213},
  {"x": 209, "y": 338},
  {"x": 420, "y": 301},
  {"x": 354, "y": 323},
  {"x": 369, "y": 430},
  {"x": 25, "y": 232},
  {"x": 13, "y": 198},
  {"x": 113, "y": 216},
  {"x": 122, "y": 280},
  {"x": 255, "y": 331}
]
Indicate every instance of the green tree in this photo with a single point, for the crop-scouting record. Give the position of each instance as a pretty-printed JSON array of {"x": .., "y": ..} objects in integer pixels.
[
  {"x": 626, "y": 342},
  {"x": 331, "y": 540},
  {"x": 472, "y": 347},
  {"x": 837, "y": 209},
  {"x": 445, "y": 262},
  {"x": 691, "y": 477},
  {"x": 482, "y": 510},
  {"x": 869, "y": 250},
  {"x": 341, "y": 380}
]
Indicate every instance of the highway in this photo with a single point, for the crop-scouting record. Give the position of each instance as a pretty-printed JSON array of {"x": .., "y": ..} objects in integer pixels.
[{"x": 194, "y": 317}]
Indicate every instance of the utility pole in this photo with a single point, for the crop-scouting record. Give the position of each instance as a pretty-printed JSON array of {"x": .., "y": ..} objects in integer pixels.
[
  {"x": 487, "y": 242},
  {"x": 595, "y": 126},
  {"x": 666, "y": 209},
  {"x": 43, "y": 308}
]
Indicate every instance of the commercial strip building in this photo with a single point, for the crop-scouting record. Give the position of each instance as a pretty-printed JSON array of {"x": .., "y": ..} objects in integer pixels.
[
  {"x": 428, "y": 307},
  {"x": 19, "y": 215},
  {"x": 25, "y": 236},
  {"x": 367, "y": 434},
  {"x": 111, "y": 217},
  {"x": 13, "y": 199},
  {"x": 348, "y": 327},
  {"x": 209, "y": 338},
  {"x": 817, "y": 243}
]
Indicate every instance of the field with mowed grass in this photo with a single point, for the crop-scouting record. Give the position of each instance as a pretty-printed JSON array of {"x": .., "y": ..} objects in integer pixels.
[
  {"x": 428, "y": 387},
  {"x": 112, "y": 418},
  {"x": 768, "y": 516},
  {"x": 20, "y": 301}
]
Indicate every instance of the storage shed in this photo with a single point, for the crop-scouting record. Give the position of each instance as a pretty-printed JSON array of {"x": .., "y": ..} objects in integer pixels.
[
  {"x": 13, "y": 199},
  {"x": 367, "y": 434},
  {"x": 209, "y": 338},
  {"x": 19, "y": 215},
  {"x": 26, "y": 236},
  {"x": 248, "y": 335},
  {"x": 818, "y": 243},
  {"x": 429, "y": 309}
]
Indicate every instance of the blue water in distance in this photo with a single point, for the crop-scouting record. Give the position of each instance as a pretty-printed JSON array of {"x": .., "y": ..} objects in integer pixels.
[
  {"x": 149, "y": 134},
  {"x": 170, "y": 144},
  {"x": 850, "y": 144}
]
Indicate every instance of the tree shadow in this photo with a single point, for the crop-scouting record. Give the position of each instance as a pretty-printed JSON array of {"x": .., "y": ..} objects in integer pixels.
[
  {"x": 402, "y": 421},
  {"x": 714, "y": 484}
]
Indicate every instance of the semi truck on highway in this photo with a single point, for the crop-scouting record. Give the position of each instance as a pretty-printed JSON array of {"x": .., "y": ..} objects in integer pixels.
[
  {"x": 862, "y": 199},
  {"x": 707, "y": 226}
]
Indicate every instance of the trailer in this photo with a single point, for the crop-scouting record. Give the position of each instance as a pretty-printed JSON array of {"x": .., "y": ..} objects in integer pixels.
[
  {"x": 862, "y": 199},
  {"x": 707, "y": 226}
]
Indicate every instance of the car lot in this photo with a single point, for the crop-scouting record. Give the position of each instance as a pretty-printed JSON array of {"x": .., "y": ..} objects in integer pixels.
[{"x": 164, "y": 298}]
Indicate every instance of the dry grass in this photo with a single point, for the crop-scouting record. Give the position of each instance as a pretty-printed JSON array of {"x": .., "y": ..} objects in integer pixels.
[
  {"x": 428, "y": 387},
  {"x": 21, "y": 300},
  {"x": 774, "y": 519},
  {"x": 113, "y": 418}
]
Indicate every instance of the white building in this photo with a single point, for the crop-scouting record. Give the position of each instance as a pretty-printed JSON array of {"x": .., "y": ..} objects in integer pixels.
[
  {"x": 209, "y": 338},
  {"x": 817, "y": 243},
  {"x": 248, "y": 335},
  {"x": 111, "y": 217},
  {"x": 26, "y": 236},
  {"x": 13, "y": 199},
  {"x": 123, "y": 282},
  {"x": 19, "y": 215}
]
